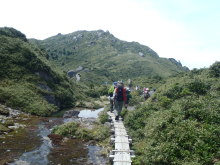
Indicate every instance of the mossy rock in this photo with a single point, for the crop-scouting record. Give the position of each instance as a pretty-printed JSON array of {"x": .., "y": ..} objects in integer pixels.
[
  {"x": 4, "y": 111},
  {"x": 3, "y": 129},
  {"x": 9, "y": 123}
]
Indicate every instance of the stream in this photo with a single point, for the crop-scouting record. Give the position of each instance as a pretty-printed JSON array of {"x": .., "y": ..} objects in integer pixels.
[{"x": 64, "y": 151}]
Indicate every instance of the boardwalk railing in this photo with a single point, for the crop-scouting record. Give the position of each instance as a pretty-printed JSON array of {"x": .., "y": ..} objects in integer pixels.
[{"x": 122, "y": 154}]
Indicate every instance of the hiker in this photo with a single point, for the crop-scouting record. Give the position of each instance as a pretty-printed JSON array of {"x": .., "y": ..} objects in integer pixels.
[
  {"x": 146, "y": 93},
  {"x": 110, "y": 94},
  {"x": 128, "y": 93},
  {"x": 120, "y": 98}
]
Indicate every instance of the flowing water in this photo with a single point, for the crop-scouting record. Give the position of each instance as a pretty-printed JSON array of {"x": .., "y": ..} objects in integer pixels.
[
  {"x": 71, "y": 151},
  {"x": 90, "y": 113},
  {"x": 38, "y": 156}
]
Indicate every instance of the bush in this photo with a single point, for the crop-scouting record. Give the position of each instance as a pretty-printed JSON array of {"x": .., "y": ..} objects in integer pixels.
[
  {"x": 75, "y": 130},
  {"x": 181, "y": 126},
  {"x": 215, "y": 70},
  {"x": 103, "y": 117},
  {"x": 199, "y": 87}
]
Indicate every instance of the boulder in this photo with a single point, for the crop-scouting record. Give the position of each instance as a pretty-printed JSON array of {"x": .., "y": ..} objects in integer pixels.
[
  {"x": 71, "y": 73},
  {"x": 3, "y": 129},
  {"x": 4, "y": 111},
  {"x": 141, "y": 54},
  {"x": 71, "y": 113}
]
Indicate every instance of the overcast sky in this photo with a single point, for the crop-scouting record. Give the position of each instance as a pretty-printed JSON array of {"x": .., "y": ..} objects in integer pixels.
[{"x": 187, "y": 30}]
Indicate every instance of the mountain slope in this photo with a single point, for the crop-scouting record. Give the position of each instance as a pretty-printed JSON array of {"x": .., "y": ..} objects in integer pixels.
[
  {"x": 27, "y": 81},
  {"x": 102, "y": 57},
  {"x": 180, "y": 124}
]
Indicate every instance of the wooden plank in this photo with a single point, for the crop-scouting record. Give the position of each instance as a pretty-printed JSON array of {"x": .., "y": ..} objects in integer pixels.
[{"x": 122, "y": 150}]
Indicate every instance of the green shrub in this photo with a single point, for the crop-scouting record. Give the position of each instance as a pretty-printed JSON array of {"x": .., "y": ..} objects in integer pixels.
[
  {"x": 181, "y": 125},
  {"x": 174, "y": 92},
  {"x": 75, "y": 130},
  {"x": 100, "y": 132},
  {"x": 215, "y": 69},
  {"x": 165, "y": 101},
  {"x": 103, "y": 117},
  {"x": 67, "y": 129},
  {"x": 199, "y": 87}
]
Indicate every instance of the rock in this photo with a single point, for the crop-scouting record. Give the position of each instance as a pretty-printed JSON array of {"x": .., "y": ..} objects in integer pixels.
[
  {"x": 141, "y": 54},
  {"x": 175, "y": 62},
  {"x": 44, "y": 76},
  {"x": 72, "y": 73},
  {"x": 71, "y": 113},
  {"x": 16, "y": 126},
  {"x": 4, "y": 111},
  {"x": 3, "y": 129},
  {"x": 9, "y": 123},
  {"x": 50, "y": 98}
]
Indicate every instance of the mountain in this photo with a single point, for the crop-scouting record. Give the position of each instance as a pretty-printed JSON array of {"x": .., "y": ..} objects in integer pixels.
[
  {"x": 27, "y": 80},
  {"x": 98, "y": 56}
]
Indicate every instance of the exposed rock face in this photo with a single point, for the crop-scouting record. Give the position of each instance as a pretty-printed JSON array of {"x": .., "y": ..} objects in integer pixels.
[
  {"x": 141, "y": 54},
  {"x": 49, "y": 97},
  {"x": 178, "y": 64},
  {"x": 44, "y": 76},
  {"x": 175, "y": 62},
  {"x": 52, "y": 100},
  {"x": 71, "y": 113},
  {"x": 72, "y": 73}
]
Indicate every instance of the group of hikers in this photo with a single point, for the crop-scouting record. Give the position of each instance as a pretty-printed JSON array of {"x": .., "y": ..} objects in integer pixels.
[{"x": 120, "y": 95}]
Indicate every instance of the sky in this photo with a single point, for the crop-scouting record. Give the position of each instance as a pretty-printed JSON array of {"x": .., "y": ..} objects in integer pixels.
[{"x": 187, "y": 30}]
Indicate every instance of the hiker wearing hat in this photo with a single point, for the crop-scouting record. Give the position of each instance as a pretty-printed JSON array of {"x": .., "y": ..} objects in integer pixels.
[{"x": 120, "y": 98}]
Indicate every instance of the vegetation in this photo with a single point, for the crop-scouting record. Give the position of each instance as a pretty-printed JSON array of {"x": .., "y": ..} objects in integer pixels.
[
  {"x": 27, "y": 80},
  {"x": 98, "y": 133},
  {"x": 180, "y": 124}
]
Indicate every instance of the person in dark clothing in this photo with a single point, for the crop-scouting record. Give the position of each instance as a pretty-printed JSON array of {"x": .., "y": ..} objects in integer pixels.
[{"x": 120, "y": 98}]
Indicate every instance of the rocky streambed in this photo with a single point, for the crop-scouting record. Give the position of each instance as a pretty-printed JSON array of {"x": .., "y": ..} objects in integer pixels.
[{"x": 28, "y": 140}]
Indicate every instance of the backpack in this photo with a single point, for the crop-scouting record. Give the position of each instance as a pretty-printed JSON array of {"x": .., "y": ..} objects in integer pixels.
[{"x": 119, "y": 96}]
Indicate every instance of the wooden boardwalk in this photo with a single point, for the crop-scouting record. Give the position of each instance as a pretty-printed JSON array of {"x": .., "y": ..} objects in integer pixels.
[{"x": 122, "y": 154}]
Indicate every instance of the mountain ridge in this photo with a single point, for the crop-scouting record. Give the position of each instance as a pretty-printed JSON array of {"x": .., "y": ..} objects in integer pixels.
[{"x": 103, "y": 56}]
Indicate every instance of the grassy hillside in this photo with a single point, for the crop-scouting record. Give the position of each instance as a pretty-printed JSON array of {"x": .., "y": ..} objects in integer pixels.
[
  {"x": 106, "y": 58},
  {"x": 180, "y": 124},
  {"x": 27, "y": 81}
]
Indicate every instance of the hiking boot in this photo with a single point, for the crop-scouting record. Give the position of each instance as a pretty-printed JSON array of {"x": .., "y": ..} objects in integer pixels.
[{"x": 117, "y": 118}]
